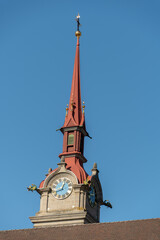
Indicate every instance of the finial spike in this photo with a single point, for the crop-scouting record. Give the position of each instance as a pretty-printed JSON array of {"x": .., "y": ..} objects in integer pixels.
[
  {"x": 83, "y": 107},
  {"x": 94, "y": 169},
  {"x": 95, "y": 165},
  {"x": 78, "y": 16},
  {"x": 62, "y": 159},
  {"x": 78, "y": 33},
  {"x": 49, "y": 170}
]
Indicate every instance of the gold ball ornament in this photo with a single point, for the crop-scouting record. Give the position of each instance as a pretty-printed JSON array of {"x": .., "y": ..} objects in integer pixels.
[{"x": 78, "y": 34}]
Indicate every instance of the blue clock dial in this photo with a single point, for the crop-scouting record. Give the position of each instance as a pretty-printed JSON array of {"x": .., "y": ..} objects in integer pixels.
[
  {"x": 92, "y": 196},
  {"x": 62, "y": 188}
]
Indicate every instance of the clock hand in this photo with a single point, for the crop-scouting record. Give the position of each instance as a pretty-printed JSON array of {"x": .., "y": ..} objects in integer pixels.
[
  {"x": 57, "y": 190},
  {"x": 63, "y": 185}
]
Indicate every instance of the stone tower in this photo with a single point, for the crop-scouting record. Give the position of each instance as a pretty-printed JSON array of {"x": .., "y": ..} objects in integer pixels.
[{"x": 68, "y": 195}]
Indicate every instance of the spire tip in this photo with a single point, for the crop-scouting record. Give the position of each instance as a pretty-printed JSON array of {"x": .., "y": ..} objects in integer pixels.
[{"x": 78, "y": 33}]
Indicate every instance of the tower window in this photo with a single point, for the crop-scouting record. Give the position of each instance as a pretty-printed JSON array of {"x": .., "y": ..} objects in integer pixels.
[{"x": 70, "y": 139}]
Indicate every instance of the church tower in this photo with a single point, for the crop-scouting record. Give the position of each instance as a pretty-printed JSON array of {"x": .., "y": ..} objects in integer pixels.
[{"x": 68, "y": 195}]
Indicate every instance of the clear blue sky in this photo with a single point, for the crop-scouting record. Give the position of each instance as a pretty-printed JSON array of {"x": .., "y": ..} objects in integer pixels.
[{"x": 120, "y": 83}]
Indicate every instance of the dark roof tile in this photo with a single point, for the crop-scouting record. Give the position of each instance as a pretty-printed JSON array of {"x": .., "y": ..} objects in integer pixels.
[{"x": 148, "y": 229}]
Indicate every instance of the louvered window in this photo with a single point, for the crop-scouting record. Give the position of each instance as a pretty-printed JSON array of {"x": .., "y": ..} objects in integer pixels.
[{"x": 70, "y": 139}]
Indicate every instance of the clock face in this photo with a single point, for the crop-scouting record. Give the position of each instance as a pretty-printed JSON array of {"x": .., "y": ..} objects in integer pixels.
[
  {"x": 92, "y": 196},
  {"x": 62, "y": 188}
]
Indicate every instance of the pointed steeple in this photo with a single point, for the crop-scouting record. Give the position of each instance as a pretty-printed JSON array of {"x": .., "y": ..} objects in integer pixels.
[
  {"x": 74, "y": 116},
  {"x": 74, "y": 129}
]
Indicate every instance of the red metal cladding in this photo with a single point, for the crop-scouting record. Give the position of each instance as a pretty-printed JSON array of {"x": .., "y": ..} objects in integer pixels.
[
  {"x": 74, "y": 116},
  {"x": 76, "y": 166},
  {"x": 41, "y": 184}
]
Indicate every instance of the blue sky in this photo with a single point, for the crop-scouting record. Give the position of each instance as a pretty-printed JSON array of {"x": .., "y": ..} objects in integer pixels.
[{"x": 120, "y": 84}]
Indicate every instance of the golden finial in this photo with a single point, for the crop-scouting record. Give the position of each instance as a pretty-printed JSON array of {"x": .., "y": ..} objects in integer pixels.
[
  {"x": 78, "y": 33},
  {"x": 67, "y": 110},
  {"x": 83, "y": 107}
]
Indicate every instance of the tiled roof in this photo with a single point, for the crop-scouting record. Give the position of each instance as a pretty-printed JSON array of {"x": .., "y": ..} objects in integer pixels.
[{"x": 148, "y": 229}]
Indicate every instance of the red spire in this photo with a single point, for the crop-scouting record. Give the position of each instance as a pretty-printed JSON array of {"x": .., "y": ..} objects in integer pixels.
[
  {"x": 75, "y": 97},
  {"x": 74, "y": 126},
  {"x": 74, "y": 116}
]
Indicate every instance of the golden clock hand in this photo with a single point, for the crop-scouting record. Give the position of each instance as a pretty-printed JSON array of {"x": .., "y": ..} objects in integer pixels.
[
  {"x": 57, "y": 190},
  {"x": 63, "y": 184}
]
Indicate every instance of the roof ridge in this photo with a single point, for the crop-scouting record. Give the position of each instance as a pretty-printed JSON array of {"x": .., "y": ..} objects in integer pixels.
[{"x": 84, "y": 225}]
